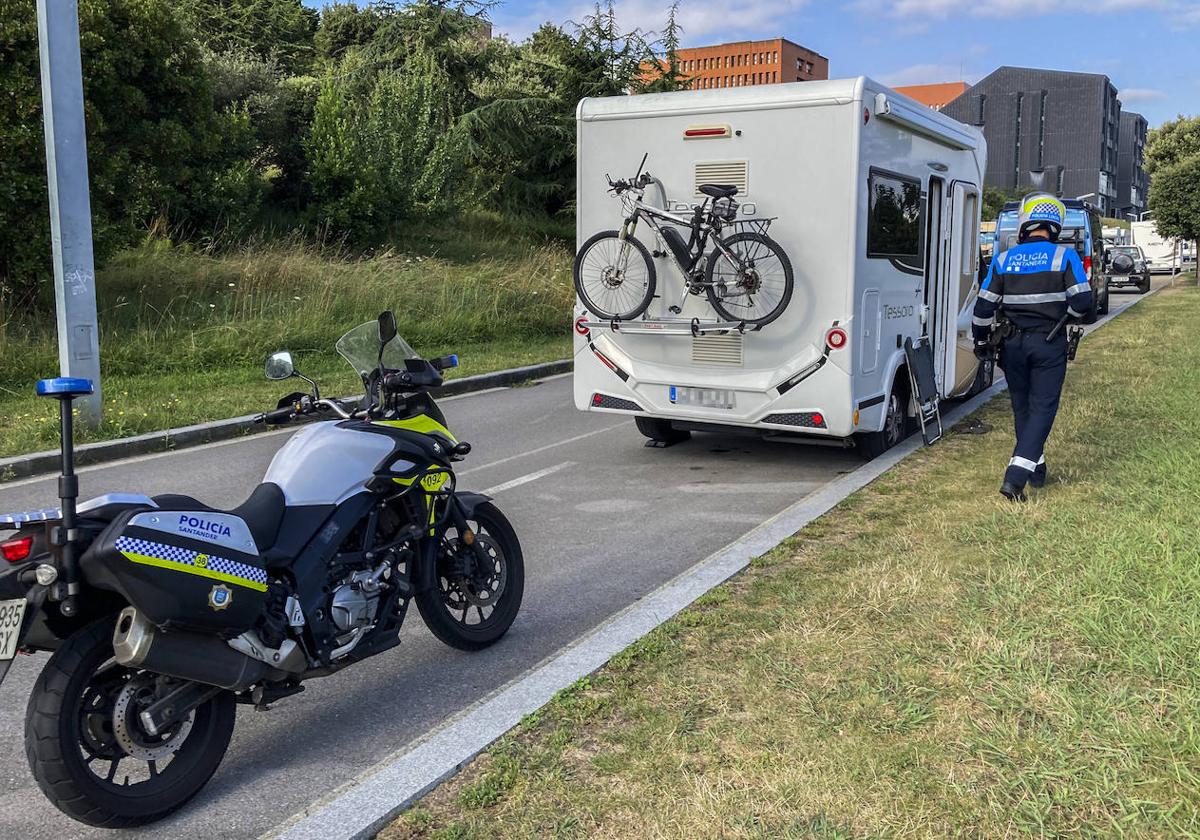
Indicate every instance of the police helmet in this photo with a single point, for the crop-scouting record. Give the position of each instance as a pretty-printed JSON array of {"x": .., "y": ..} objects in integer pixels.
[{"x": 1040, "y": 210}]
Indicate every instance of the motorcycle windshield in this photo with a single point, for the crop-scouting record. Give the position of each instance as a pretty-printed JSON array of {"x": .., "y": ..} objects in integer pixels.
[{"x": 360, "y": 347}]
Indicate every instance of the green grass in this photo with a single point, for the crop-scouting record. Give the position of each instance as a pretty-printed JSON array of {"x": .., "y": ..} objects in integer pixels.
[
  {"x": 184, "y": 332},
  {"x": 926, "y": 660}
]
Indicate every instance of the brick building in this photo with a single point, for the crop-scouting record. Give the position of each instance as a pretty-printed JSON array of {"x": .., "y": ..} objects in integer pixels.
[
  {"x": 744, "y": 63},
  {"x": 935, "y": 96}
]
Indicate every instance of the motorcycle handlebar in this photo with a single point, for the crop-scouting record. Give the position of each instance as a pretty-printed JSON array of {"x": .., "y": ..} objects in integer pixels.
[
  {"x": 277, "y": 417},
  {"x": 409, "y": 381}
]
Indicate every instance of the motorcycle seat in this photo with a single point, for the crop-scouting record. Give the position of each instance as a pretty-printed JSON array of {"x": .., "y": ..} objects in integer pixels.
[{"x": 262, "y": 512}]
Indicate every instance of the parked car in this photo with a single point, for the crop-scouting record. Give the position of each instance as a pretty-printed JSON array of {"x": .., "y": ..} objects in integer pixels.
[
  {"x": 1127, "y": 266},
  {"x": 1082, "y": 230}
]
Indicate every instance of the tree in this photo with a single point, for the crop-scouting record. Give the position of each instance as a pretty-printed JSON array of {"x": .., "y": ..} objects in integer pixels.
[
  {"x": 282, "y": 30},
  {"x": 1175, "y": 200},
  {"x": 344, "y": 26},
  {"x": 670, "y": 76},
  {"x": 994, "y": 199},
  {"x": 158, "y": 148},
  {"x": 1172, "y": 142},
  {"x": 621, "y": 55}
]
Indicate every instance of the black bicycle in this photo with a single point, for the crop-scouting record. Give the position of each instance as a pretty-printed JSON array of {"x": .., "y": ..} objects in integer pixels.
[{"x": 746, "y": 276}]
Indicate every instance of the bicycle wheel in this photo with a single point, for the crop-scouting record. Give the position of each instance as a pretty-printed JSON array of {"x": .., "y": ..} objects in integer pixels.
[
  {"x": 614, "y": 277},
  {"x": 756, "y": 290}
]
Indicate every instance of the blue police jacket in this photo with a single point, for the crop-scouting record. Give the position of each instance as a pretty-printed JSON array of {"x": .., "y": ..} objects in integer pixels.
[{"x": 1036, "y": 283}]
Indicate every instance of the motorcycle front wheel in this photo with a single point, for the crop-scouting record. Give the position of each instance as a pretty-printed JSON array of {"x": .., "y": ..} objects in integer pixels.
[
  {"x": 87, "y": 748},
  {"x": 472, "y": 603}
]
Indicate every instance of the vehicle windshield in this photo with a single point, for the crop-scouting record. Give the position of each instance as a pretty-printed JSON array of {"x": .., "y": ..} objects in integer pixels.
[
  {"x": 1073, "y": 232},
  {"x": 1131, "y": 250},
  {"x": 360, "y": 347}
]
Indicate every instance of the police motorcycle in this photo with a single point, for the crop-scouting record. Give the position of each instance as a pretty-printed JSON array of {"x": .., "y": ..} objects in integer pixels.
[{"x": 164, "y": 614}]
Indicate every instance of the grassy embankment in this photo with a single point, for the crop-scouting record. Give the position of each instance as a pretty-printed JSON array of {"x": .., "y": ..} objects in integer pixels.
[
  {"x": 926, "y": 660},
  {"x": 184, "y": 332}
]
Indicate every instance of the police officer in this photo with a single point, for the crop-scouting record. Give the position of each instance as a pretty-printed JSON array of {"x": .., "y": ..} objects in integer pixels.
[{"x": 1035, "y": 284}]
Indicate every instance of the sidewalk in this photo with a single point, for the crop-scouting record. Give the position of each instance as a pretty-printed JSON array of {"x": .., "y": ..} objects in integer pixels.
[{"x": 925, "y": 660}]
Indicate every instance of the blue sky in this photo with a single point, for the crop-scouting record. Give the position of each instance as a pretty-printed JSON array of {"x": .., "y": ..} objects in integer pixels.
[{"x": 1149, "y": 48}]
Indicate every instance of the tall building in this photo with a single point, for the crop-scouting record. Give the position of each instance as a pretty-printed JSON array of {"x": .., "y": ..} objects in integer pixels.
[
  {"x": 936, "y": 96},
  {"x": 744, "y": 63},
  {"x": 1132, "y": 181},
  {"x": 1047, "y": 129}
]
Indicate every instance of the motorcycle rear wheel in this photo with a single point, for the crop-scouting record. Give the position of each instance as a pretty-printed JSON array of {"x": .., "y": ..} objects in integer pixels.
[
  {"x": 471, "y": 613},
  {"x": 72, "y": 733}
]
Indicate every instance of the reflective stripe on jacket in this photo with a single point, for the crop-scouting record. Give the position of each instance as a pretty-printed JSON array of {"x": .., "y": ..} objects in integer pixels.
[{"x": 1036, "y": 283}]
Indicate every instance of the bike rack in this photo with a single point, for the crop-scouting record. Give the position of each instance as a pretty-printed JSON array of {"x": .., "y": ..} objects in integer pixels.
[{"x": 671, "y": 326}]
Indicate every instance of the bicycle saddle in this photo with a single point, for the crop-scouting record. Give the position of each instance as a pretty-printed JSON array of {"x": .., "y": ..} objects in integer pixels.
[{"x": 718, "y": 190}]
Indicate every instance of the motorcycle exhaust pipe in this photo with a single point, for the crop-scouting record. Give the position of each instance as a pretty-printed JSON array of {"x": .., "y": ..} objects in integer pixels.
[{"x": 137, "y": 643}]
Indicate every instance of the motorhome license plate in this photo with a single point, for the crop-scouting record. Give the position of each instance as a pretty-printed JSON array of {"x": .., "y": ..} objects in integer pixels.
[
  {"x": 703, "y": 397},
  {"x": 11, "y": 614}
]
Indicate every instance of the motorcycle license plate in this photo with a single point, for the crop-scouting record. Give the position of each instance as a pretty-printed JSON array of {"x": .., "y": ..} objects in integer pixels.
[
  {"x": 703, "y": 397},
  {"x": 11, "y": 614}
]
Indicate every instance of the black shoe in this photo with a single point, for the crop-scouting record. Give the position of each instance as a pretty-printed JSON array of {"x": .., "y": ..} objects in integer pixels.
[
  {"x": 1012, "y": 492},
  {"x": 1038, "y": 479}
]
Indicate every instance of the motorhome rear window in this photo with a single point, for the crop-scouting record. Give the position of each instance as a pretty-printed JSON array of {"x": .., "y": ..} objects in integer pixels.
[{"x": 894, "y": 221}]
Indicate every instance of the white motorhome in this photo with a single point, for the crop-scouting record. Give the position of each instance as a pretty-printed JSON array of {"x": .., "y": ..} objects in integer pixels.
[
  {"x": 1162, "y": 254},
  {"x": 876, "y": 200}
]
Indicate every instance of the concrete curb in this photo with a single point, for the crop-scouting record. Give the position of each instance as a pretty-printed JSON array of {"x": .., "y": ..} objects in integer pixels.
[
  {"x": 359, "y": 809},
  {"x": 25, "y": 466}
]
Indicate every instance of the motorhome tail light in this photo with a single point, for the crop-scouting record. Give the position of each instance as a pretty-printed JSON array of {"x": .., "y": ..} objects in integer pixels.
[
  {"x": 1087, "y": 266},
  {"x": 836, "y": 338},
  {"x": 617, "y": 403},
  {"x": 705, "y": 132},
  {"x": 17, "y": 550},
  {"x": 802, "y": 419}
]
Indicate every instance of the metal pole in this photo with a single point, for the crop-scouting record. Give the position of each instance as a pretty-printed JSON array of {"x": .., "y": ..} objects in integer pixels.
[{"x": 70, "y": 207}]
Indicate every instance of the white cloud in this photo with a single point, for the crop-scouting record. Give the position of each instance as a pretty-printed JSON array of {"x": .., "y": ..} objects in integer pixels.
[{"x": 1130, "y": 95}]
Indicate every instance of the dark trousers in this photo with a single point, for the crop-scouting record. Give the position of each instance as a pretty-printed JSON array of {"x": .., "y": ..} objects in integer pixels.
[{"x": 1035, "y": 370}]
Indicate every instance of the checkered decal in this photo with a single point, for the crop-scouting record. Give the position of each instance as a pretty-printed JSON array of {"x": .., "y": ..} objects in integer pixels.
[{"x": 232, "y": 570}]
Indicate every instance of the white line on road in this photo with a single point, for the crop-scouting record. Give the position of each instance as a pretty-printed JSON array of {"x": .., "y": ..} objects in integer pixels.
[
  {"x": 543, "y": 448},
  {"x": 525, "y": 479}
]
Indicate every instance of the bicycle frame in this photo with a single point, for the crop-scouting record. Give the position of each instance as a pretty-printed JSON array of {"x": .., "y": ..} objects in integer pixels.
[{"x": 700, "y": 225}]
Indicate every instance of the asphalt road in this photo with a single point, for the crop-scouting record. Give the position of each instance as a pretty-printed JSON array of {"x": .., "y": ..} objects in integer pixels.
[{"x": 603, "y": 521}]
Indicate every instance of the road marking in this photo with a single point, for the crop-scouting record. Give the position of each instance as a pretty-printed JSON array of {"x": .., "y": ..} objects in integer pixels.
[
  {"x": 358, "y": 810},
  {"x": 526, "y": 454},
  {"x": 525, "y": 479}
]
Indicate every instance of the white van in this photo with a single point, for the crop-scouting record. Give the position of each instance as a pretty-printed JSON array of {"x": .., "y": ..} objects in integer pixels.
[
  {"x": 875, "y": 199},
  {"x": 1163, "y": 255}
]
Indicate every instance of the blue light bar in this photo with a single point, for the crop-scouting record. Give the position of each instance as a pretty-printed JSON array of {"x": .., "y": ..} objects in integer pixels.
[{"x": 64, "y": 386}]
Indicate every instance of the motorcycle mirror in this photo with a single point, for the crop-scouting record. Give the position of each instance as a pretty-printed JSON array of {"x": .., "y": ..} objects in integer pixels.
[
  {"x": 387, "y": 326},
  {"x": 280, "y": 366}
]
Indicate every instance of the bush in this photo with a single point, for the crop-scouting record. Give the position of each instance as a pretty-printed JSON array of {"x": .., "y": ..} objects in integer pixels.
[{"x": 158, "y": 147}]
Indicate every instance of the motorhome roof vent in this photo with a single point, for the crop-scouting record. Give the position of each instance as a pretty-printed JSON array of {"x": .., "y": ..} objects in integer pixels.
[
  {"x": 735, "y": 172},
  {"x": 717, "y": 350}
]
